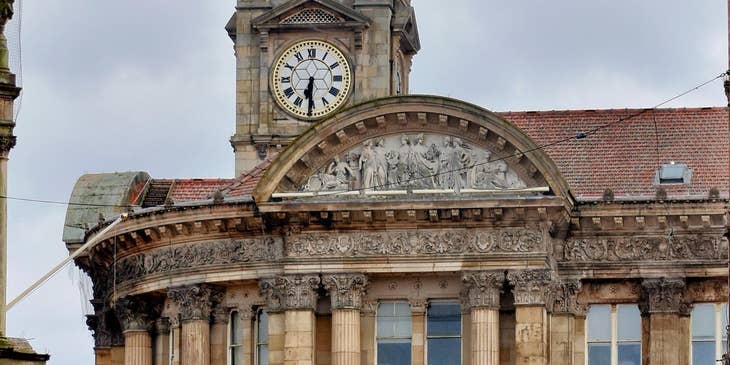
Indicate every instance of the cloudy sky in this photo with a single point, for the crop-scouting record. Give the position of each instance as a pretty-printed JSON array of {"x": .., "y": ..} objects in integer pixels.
[{"x": 148, "y": 85}]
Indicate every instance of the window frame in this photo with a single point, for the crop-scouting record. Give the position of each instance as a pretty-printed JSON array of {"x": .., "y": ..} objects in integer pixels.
[
  {"x": 614, "y": 341},
  {"x": 231, "y": 327},
  {"x": 427, "y": 337},
  {"x": 378, "y": 338},
  {"x": 720, "y": 338},
  {"x": 256, "y": 337}
]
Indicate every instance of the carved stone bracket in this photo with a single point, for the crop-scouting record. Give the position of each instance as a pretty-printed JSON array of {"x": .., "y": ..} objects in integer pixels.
[
  {"x": 565, "y": 298},
  {"x": 290, "y": 292},
  {"x": 346, "y": 290},
  {"x": 531, "y": 287},
  {"x": 411, "y": 243},
  {"x": 650, "y": 248},
  {"x": 196, "y": 301},
  {"x": 664, "y": 295},
  {"x": 482, "y": 289},
  {"x": 136, "y": 313}
]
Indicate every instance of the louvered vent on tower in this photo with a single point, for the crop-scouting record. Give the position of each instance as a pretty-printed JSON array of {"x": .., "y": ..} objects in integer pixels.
[{"x": 311, "y": 16}]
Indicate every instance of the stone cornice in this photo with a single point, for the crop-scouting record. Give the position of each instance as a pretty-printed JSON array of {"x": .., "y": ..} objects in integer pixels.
[
  {"x": 290, "y": 292},
  {"x": 346, "y": 290},
  {"x": 531, "y": 287},
  {"x": 482, "y": 289},
  {"x": 195, "y": 302}
]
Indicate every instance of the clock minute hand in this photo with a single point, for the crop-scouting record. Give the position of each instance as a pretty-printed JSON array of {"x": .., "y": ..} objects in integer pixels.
[{"x": 308, "y": 95}]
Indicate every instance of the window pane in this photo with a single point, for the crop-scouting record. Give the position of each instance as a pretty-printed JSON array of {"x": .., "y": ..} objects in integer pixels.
[
  {"x": 703, "y": 353},
  {"x": 235, "y": 325},
  {"x": 703, "y": 321},
  {"x": 402, "y": 309},
  {"x": 599, "y": 323},
  {"x": 385, "y": 324},
  {"x": 629, "y": 353},
  {"x": 629, "y": 323},
  {"x": 599, "y": 354},
  {"x": 394, "y": 352},
  {"x": 403, "y": 326},
  {"x": 263, "y": 327},
  {"x": 263, "y": 355},
  {"x": 444, "y": 319},
  {"x": 444, "y": 351},
  {"x": 237, "y": 355},
  {"x": 723, "y": 315}
]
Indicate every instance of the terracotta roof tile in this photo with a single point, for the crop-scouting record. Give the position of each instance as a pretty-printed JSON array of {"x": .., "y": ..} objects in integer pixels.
[
  {"x": 196, "y": 189},
  {"x": 244, "y": 184}
]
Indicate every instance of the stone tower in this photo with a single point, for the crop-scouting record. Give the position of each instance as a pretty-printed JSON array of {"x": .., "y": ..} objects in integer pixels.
[{"x": 377, "y": 39}]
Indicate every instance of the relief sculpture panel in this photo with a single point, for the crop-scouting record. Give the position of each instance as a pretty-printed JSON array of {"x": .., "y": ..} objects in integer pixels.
[
  {"x": 421, "y": 161},
  {"x": 653, "y": 248}
]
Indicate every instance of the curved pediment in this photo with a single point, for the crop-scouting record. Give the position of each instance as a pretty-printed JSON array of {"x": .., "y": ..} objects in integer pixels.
[{"x": 411, "y": 145}]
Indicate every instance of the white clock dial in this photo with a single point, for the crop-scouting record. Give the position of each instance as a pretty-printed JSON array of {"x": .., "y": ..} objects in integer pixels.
[{"x": 311, "y": 79}]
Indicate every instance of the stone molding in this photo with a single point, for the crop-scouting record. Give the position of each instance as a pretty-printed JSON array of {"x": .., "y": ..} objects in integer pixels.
[
  {"x": 415, "y": 243},
  {"x": 663, "y": 295},
  {"x": 346, "y": 290},
  {"x": 195, "y": 302},
  {"x": 531, "y": 287},
  {"x": 136, "y": 313},
  {"x": 649, "y": 248},
  {"x": 482, "y": 289},
  {"x": 290, "y": 292},
  {"x": 199, "y": 254},
  {"x": 564, "y": 298}
]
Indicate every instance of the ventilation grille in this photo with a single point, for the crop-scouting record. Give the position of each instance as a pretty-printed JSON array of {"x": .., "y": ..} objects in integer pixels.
[{"x": 311, "y": 16}]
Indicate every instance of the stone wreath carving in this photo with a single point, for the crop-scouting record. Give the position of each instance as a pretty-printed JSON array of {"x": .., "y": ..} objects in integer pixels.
[
  {"x": 646, "y": 248},
  {"x": 422, "y": 161},
  {"x": 221, "y": 252},
  {"x": 459, "y": 241}
]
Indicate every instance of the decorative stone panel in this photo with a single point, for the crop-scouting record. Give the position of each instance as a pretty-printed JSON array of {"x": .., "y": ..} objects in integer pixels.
[
  {"x": 664, "y": 295},
  {"x": 531, "y": 287},
  {"x": 195, "y": 302},
  {"x": 346, "y": 290},
  {"x": 290, "y": 292},
  {"x": 565, "y": 298},
  {"x": 648, "y": 248},
  {"x": 415, "y": 243},
  {"x": 482, "y": 289}
]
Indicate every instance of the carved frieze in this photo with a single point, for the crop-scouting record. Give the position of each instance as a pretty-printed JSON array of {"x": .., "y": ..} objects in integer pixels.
[
  {"x": 565, "y": 297},
  {"x": 346, "y": 290},
  {"x": 531, "y": 287},
  {"x": 654, "y": 248},
  {"x": 482, "y": 289},
  {"x": 195, "y": 302},
  {"x": 136, "y": 313},
  {"x": 414, "y": 243},
  {"x": 663, "y": 295},
  {"x": 199, "y": 254},
  {"x": 708, "y": 290},
  {"x": 420, "y": 161},
  {"x": 290, "y": 292}
]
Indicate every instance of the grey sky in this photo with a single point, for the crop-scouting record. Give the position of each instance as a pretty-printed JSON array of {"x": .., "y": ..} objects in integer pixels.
[{"x": 149, "y": 85}]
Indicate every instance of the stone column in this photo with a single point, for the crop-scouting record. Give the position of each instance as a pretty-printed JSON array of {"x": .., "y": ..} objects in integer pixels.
[
  {"x": 563, "y": 326},
  {"x": 195, "y": 303},
  {"x": 481, "y": 297},
  {"x": 219, "y": 336},
  {"x": 135, "y": 314},
  {"x": 579, "y": 340},
  {"x": 102, "y": 339},
  {"x": 175, "y": 340},
  {"x": 663, "y": 300},
  {"x": 162, "y": 341},
  {"x": 297, "y": 296},
  {"x": 346, "y": 291},
  {"x": 245, "y": 313},
  {"x": 531, "y": 288},
  {"x": 367, "y": 332},
  {"x": 418, "y": 331}
]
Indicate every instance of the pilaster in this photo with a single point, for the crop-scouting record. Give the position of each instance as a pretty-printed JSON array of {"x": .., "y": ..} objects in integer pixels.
[
  {"x": 531, "y": 290},
  {"x": 662, "y": 302},
  {"x": 162, "y": 341},
  {"x": 481, "y": 297},
  {"x": 346, "y": 291},
  {"x": 195, "y": 303},
  {"x": 219, "y": 335},
  {"x": 418, "y": 330},
  {"x": 563, "y": 327}
]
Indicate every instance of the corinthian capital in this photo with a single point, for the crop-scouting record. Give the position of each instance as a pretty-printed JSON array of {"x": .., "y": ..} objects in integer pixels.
[
  {"x": 565, "y": 297},
  {"x": 663, "y": 295},
  {"x": 7, "y": 143},
  {"x": 290, "y": 292},
  {"x": 346, "y": 290},
  {"x": 136, "y": 314},
  {"x": 196, "y": 301},
  {"x": 482, "y": 289},
  {"x": 531, "y": 287}
]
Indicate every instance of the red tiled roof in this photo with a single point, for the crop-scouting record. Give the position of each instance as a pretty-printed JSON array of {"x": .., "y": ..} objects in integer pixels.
[
  {"x": 196, "y": 189},
  {"x": 245, "y": 183},
  {"x": 626, "y": 156}
]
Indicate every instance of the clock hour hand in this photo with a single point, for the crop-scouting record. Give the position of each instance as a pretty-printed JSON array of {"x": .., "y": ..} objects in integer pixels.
[{"x": 308, "y": 95}]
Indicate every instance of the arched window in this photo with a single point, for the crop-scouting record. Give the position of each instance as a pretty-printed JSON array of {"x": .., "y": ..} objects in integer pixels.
[{"x": 235, "y": 340}]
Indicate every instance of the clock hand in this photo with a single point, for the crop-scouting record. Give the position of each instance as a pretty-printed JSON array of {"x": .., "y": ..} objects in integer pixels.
[{"x": 308, "y": 95}]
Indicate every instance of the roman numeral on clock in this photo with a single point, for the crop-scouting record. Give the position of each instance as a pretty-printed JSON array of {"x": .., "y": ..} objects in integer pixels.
[
  {"x": 289, "y": 66},
  {"x": 299, "y": 56},
  {"x": 337, "y": 78},
  {"x": 285, "y": 80},
  {"x": 334, "y": 65},
  {"x": 334, "y": 91},
  {"x": 289, "y": 92},
  {"x": 298, "y": 101},
  {"x": 325, "y": 102},
  {"x": 312, "y": 53}
]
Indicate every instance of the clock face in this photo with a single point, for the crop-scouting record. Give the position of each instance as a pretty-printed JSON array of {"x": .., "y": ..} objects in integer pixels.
[{"x": 311, "y": 79}]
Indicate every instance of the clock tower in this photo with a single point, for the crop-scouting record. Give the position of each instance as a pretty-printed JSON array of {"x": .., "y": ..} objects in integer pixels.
[{"x": 300, "y": 61}]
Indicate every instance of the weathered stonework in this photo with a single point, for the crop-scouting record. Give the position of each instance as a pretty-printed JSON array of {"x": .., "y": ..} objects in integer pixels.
[
  {"x": 531, "y": 287},
  {"x": 565, "y": 298},
  {"x": 346, "y": 290},
  {"x": 482, "y": 289},
  {"x": 196, "y": 301},
  {"x": 657, "y": 248},
  {"x": 290, "y": 292},
  {"x": 136, "y": 313},
  {"x": 663, "y": 295}
]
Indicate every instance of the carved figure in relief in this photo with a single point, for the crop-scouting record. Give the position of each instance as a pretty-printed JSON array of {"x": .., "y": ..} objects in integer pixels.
[
  {"x": 342, "y": 173},
  {"x": 381, "y": 169},
  {"x": 368, "y": 166}
]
